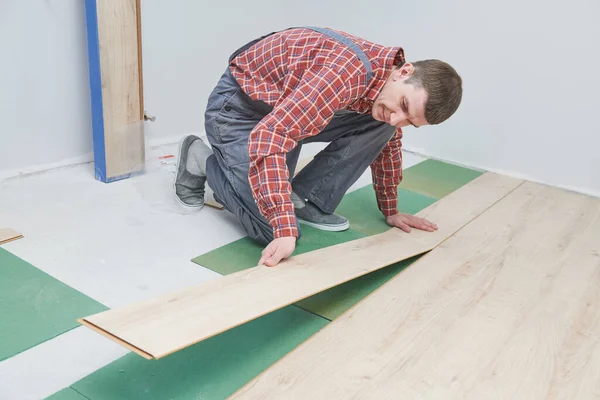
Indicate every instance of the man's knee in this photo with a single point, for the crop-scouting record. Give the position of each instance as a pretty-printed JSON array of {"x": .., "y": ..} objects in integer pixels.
[{"x": 259, "y": 233}]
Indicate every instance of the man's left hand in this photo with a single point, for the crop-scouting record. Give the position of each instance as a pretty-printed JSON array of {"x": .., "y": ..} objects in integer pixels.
[{"x": 407, "y": 221}]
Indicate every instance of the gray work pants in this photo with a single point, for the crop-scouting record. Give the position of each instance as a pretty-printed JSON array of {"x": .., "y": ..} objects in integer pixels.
[{"x": 355, "y": 141}]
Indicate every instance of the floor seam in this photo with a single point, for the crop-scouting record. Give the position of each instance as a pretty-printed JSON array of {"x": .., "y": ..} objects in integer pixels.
[
  {"x": 79, "y": 393},
  {"x": 312, "y": 312}
]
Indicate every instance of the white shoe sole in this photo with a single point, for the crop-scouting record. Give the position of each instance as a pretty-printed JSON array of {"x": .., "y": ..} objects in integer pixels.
[
  {"x": 186, "y": 207},
  {"x": 329, "y": 228}
]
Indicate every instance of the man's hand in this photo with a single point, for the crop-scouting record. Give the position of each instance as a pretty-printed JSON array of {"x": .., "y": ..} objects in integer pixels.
[
  {"x": 406, "y": 221},
  {"x": 278, "y": 250}
]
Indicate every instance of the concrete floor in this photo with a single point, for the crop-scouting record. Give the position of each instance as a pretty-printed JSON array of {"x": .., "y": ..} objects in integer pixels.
[{"x": 116, "y": 243}]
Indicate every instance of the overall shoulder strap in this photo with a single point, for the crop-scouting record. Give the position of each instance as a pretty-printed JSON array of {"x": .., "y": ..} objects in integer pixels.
[
  {"x": 357, "y": 50},
  {"x": 332, "y": 34}
]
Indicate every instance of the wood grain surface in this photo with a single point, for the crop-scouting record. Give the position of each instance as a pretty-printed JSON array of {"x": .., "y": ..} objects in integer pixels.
[
  {"x": 507, "y": 308},
  {"x": 8, "y": 235},
  {"x": 122, "y": 94},
  {"x": 163, "y": 325}
]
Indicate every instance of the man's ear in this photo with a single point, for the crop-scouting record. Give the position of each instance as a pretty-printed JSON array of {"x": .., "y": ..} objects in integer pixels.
[
  {"x": 403, "y": 72},
  {"x": 406, "y": 70}
]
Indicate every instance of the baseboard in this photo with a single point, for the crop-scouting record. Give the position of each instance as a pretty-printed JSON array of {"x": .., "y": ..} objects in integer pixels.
[
  {"x": 513, "y": 174},
  {"x": 153, "y": 143},
  {"x": 35, "y": 169}
]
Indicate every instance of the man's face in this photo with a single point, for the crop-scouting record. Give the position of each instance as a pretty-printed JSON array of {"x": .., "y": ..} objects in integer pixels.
[{"x": 399, "y": 103}]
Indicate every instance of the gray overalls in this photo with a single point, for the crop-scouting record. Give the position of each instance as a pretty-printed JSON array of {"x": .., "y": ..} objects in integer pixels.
[{"x": 355, "y": 142}]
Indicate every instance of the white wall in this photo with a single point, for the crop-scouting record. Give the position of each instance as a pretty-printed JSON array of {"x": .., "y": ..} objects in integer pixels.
[
  {"x": 186, "y": 45},
  {"x": 531, "y": 88},
  {"x": 531, "y": 80},
  {"x": 529, "y": 69},
  {"x": 44, "y": 91}
]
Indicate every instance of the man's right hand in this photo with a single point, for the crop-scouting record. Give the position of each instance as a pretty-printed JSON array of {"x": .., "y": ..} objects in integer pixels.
[{"x": 278, "y": 250}]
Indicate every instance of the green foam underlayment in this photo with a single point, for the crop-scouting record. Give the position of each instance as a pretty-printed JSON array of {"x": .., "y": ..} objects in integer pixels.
[
  {"x": 67, "y": 394},
  {"x": 212, "y": 369},
  {"x": 333, "y": 302},
  {"x": 35, "y": 307},
  {"x": 436, "y": 178},
  {"x": 360, "y": 207}
]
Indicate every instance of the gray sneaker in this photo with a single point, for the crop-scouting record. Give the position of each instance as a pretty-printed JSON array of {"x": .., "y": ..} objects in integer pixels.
[
  {"x": 189, "y": 189},
  {"x": 309, "y": 214}
]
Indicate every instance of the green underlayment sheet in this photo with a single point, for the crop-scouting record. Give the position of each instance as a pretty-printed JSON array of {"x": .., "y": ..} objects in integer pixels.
[
  {"x": 35, "y": 307},
  {"x": 436, "y": 178},
  {"x": 212, "y": 369}
]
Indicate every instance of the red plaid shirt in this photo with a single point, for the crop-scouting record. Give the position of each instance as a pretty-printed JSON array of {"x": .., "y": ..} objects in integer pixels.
[{"x": 307, "y": 76}]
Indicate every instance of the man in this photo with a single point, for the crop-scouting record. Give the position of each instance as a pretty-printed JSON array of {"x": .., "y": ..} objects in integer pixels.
[{"x": 304, "y": 85}]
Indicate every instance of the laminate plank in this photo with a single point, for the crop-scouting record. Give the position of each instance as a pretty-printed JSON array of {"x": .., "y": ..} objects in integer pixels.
[
  {"x": 116, "y": 87},
  {"x": 8, "y": 235},
  {"x": 168, "y": 323},
  {"x": 123, "y": 115},
  {"x": 507, "y": 308},
  {"x": 365, "y": 218}
]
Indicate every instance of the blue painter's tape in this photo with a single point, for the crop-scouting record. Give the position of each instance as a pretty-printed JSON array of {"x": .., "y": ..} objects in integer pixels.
[{"x": 91, "y": 16}]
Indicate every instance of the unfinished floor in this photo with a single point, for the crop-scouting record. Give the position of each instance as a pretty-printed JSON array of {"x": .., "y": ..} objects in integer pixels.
[{"x": 520, "y": 278}]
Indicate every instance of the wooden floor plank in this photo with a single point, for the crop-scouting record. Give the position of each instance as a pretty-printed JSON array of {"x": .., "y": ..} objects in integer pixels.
[
  {"x": 507, "y": 308},
  {"x": 116, "y": 87},
  {"x": 163, "y": 325},
  {"x": 8, "y": 235}
]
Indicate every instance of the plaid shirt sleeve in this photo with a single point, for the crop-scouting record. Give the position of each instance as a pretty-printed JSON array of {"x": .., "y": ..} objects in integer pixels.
[
  {"x": 304, "y": 110},
  {"x": 386, "y": 172}
]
